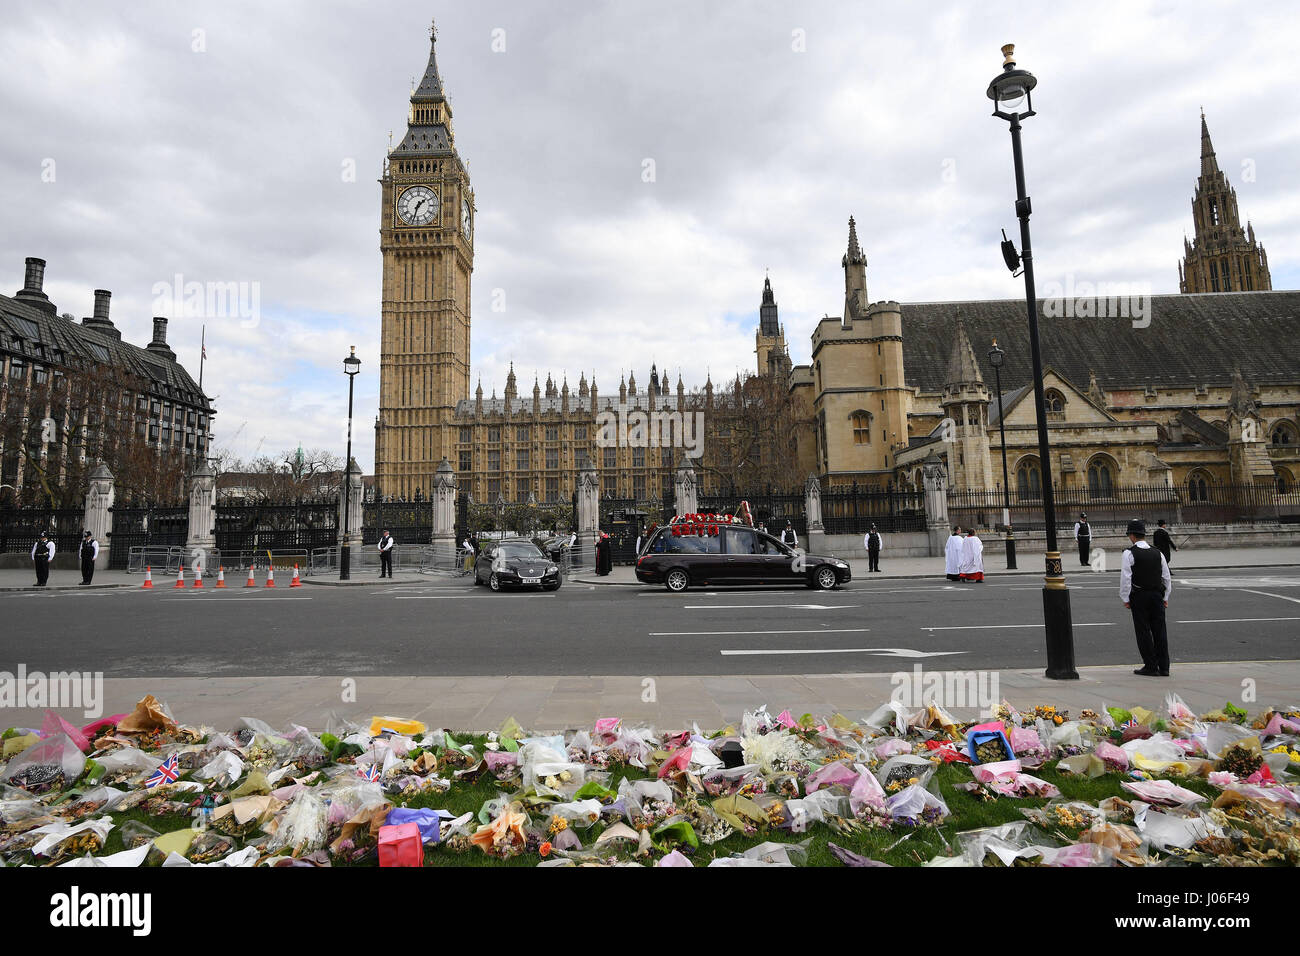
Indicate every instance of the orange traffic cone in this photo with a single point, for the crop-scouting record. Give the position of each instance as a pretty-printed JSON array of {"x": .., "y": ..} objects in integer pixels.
[
  {"x": 180, "y": 578},
  {"x": 270, "y": 577},
  {"x": 221, "y": 576},
  {"x": 295, "y": 583},
  {"x": 250, "y": 583},
  {"x": 148, "y": 579},
  {"x": 198, "y": 577}
]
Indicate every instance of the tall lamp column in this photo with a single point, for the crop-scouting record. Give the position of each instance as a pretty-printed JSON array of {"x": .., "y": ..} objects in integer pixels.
[
  {"x": 996, "y": 358},
  {"x": 351, "y": 366},
  {"x": 1010, "y": 92}
]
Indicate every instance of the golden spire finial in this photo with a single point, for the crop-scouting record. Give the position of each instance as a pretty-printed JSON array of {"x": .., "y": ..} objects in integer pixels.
[
  {"x": 1009, "y": 52},
  {"x": 433, "y": 29}
]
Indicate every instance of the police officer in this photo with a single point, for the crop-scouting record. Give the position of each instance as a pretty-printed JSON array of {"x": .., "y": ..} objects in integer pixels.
[
  {"x": 1083, "y": 535},
  {"x": 872, "y": 544},
  {"x": 1144, "y": 586},
  {"x": 42, "y": 558},
  {"x": 89, "y": 552},
  {"x": 1162, "y": 541},
  {"x": 789, "y": 537},
  {"x": 386, "y": 555}
]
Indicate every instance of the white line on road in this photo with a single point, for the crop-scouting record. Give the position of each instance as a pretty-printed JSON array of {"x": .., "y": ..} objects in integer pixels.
[
  {"x": 879, "y": 651},
  {"x": 989, "y": 627},
  {"x": 1266, "y": 594},
  {"x": 728, "y": 607},
  {"x": 832, "y": 630},
  {"x": 1239, "y": 620}
]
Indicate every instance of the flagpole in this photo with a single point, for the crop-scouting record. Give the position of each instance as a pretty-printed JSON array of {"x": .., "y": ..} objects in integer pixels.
[{"x": 203, "y": 354}]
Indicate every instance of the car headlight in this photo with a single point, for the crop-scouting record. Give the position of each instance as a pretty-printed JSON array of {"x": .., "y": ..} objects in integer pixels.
[
  {"x": 551, "y": 569},
  {"x": 840, "y": 564}
]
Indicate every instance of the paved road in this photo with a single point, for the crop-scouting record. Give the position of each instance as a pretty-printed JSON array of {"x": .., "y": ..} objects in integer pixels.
[{"x": 447, "y": 629}]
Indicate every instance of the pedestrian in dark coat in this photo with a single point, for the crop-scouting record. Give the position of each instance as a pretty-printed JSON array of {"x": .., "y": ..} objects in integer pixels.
[
  {"x": 1162, "y": 541},
  {"x": 604, "y": 559}
]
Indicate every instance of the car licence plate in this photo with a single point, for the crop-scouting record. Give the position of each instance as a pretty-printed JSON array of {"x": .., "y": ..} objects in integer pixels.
[{"x": 532, "y": 580}]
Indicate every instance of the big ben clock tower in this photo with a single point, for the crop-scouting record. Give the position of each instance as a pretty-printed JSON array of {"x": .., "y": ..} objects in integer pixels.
[{"x": 426, "y": 236}]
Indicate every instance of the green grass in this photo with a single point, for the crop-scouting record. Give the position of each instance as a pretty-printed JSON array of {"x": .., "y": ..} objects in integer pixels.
[{"x": 885, "y": 844}]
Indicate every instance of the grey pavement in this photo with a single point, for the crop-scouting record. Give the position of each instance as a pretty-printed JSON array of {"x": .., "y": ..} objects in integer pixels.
[
  {"x": 1030, "y": 563},
  {"x": 547, "y": 703}
]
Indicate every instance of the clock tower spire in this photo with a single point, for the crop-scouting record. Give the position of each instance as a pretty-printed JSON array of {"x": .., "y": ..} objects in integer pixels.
[{"x": 426, "y": 238}]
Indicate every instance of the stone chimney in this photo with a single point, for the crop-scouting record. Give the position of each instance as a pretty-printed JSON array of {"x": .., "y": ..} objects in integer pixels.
[
  {"x": 159, "y": 343},
  {"x": 99, "y": 321},
  {"x": 33, "y": 291}
]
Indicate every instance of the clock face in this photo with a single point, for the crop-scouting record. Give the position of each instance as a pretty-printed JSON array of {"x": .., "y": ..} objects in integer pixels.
[
  {"x": 466, "y": 218},
  {"x": 418, "y": 206}
]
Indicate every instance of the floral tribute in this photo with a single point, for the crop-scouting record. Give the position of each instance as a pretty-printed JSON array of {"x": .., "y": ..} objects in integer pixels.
[{"x": 1216, "y": 789}]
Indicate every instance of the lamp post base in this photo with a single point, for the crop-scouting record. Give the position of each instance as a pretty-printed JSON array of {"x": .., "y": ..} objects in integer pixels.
[
  {"x": 1011, "y": 552},
  {"x": 1059, "y": 625},
  {"x": 345, "y": 563}
]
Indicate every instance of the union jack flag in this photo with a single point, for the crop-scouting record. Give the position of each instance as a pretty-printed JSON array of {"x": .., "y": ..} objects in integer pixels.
[
  {"x": 1131, "y": 722},
  {"x": 369, "y": 774},
  {"x": 167, "y": 772}
]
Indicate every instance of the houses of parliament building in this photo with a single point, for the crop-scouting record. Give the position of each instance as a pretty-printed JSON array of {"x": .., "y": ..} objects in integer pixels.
[{"x": 1204, "y": 391}]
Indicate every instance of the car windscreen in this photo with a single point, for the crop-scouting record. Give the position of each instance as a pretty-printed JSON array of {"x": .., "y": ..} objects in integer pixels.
[{"x": 525, "y": 551}]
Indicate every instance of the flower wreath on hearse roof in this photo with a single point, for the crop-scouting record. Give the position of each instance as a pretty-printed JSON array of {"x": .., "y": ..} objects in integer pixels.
[{"x": 707, "y": 524}]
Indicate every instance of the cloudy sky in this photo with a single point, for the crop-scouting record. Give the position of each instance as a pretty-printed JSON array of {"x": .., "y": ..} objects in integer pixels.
[{"x": 153, "y": 144}]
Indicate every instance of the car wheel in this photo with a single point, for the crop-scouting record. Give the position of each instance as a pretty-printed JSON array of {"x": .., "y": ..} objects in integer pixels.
[
  {"x": 494, "y": 582},
  {"x": 677, "y": 580},
  {"x": 825, "y": 578}
]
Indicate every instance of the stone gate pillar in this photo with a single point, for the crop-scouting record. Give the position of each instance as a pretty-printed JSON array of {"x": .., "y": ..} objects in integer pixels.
[
  {"x": 935, "y": 476},
  {"x": 684, "y": 490},
  {"x": 351, "y": 493},
  {"x": 444, "y": 513},
  {"x": 203, "y": 516},
  {"x": 812, "y": 506},
  {"x": 98, "y": 518}
]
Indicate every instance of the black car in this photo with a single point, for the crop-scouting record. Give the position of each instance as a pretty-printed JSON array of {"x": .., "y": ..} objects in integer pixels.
[
  {"x": 736, "y": 554},
  {"x": 515, "y": 563}
]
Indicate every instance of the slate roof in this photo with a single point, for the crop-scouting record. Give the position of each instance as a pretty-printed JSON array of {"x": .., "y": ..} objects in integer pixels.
[
  {"x": 40, "y": 335},
  {"x": 1191, "y": 340},
  {"x": 1009, "y": 400}
]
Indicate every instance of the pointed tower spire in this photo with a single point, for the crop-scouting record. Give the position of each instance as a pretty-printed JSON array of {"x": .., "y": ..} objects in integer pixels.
[
  {"x": 962, "y": 367},
  {"x": 1209, "y": 165},
  {"x": 855, "y": 278}
]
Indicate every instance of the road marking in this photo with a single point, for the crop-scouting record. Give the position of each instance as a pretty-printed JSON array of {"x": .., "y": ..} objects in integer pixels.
[
  {"x": 728, "y": 607},
  {"x": 878, "y": 651},
  {"x": 1239, "y": 582},
  {"x": 246, "y": 599},
  {"x": 834, "y": 630},
  {"x": 1266, "y": 594},
  {"x": 1238, "y": 620},
  {"x": 989, "y": 627}
]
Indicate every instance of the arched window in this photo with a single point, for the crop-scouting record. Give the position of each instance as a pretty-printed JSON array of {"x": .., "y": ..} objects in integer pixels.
[
  {"x": 1198, "y": 486},
  {"x": 861, "y": 427},
  {"x": 1285, "y": 482},
  {"x": 1054, "y": 402},
  {"x": 1102, "y": 476},
  {"x": 1029, "y": 481},
  {"x": 1284, "y": 433}
]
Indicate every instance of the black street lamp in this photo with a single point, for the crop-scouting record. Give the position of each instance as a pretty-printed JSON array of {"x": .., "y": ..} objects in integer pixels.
[
  {"x": 996, "y": 358},
  {"x": 1010, "y": 92},
  {"x": 351, "y": 366}
]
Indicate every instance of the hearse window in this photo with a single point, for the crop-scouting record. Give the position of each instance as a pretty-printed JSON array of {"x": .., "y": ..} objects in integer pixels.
[
  {"x": 740, "y": 542},
  {"x": 689, "y": 543}
]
